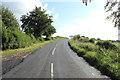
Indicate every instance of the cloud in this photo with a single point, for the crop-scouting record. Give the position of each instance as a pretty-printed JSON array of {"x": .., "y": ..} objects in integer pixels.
[
  {"x": 21, "y": 7},
  {"x": 94, "y": 26},
  {"x": 45, "y": 6},
  {"x": 55, "y": 16},
  {"x": 50, "y": 11}
]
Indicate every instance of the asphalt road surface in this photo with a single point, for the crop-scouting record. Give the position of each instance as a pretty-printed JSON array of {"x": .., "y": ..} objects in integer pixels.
[{"x": 54, "y": 60}]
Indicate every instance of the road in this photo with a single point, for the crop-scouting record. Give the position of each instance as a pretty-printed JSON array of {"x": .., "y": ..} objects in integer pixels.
[{"x": 54, "y": 60}]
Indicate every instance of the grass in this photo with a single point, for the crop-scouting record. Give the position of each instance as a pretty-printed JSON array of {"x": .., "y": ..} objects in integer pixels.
[
  {"x": 20, "y": 50},
  {"x": 106, "y": 60}
]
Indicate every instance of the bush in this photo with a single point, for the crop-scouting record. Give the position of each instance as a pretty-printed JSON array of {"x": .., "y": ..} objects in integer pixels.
[
  {"x": 92, "y": 40},
  {"x": 77, "y": 49},
  {"x": 106, "y": 44},
  {"x": 41, "y": 39},
  {"x": 13, "y": 39},
  {"x": 104, "y": 57},
  {"x": 81, "y": 52},
  {"x": 91, "y": 57},
  {"x": 76, "y": 37},
  {"x": 84, "y": 39},
  {"x": 88, "y": 46},
  {"x": 33, "y": 38}
]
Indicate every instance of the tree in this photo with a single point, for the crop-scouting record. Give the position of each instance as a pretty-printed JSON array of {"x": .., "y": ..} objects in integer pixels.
[
  {"x": 36, "y": 22},
  {"x": 49, "y": 31},
  {"x": 12, "y": 37},
  {"x": 8, "y": 18},
  {"x": 115, "y": 15},
  {"x": 86, "y": 1}
]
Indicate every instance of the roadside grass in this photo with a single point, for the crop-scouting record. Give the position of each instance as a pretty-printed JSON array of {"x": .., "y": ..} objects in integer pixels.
[
  {"x": 106, "y": 60},
  {"x": 20, "y": 50}
]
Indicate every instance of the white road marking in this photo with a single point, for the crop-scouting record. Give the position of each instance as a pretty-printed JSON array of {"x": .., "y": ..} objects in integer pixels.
[
  {"x": 51, "y": 70},
  {"x": 53, "y": 51},
  {"x": 93, "y": 74}
]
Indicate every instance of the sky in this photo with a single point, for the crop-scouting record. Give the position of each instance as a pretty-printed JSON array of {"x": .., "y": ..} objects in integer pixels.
[{"x": 71, "y": 17}]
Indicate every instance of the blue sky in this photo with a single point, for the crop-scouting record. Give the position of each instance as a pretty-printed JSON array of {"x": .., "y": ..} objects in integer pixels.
[{"x": 70, "y": 18}]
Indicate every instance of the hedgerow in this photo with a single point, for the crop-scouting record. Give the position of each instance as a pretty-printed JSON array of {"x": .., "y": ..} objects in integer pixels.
[{"x": 106, "y": 57}]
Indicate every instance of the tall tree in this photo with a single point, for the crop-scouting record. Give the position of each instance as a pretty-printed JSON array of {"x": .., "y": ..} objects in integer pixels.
[
  {"x": 49, "y": 31},
  {"x": 8, "y": 18},
  {"x": 36, "y": 22}
]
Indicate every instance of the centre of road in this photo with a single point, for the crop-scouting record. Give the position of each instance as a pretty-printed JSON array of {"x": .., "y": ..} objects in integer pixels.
[
  {"x": 52, "y": 63},
  {"x": 51, "y": 70},
  {"x": 53, "y": 51}
]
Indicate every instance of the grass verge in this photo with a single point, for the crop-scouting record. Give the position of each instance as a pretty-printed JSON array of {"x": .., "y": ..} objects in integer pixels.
[
  {"x": 20, "y": 50},
  {"x": 107, "y": 61}
]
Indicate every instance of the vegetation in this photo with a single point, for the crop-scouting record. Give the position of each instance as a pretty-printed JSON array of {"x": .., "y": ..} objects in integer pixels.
[
  {"x": 35, "y": 25},
  {"x": 106, "y": 44},
  {"x": 115, "y": 14},
  {"x": 30, "y": 48},
  {"x": 13, "y": 39},
  {"x": 103, "y": 54},
  {"x": 8, "y": 19},
  {"x": 109, "y": 7}
]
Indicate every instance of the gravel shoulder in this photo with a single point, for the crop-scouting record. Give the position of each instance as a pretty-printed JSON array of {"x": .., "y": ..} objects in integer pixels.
[{"x": 10, "y": 61}]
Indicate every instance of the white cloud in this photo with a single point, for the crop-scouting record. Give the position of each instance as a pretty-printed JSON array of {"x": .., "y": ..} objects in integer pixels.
[
  {"x": 55, "y": 16},
  {"x": 93, "y": 26},
  {"x": 21, "y": 7},
  {"x": 45, "y": 6},
  {"x": 29, "y": 5},
  {"x": 50, "y": 11}
]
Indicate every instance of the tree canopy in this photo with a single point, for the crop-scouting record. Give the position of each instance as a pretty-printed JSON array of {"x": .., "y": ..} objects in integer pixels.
[
  {"x": 8, "y": 18},
  {"x": 115, "y": 15},
  {"x": 49, "y": 31},
  {"x": 36, "y": 22}
]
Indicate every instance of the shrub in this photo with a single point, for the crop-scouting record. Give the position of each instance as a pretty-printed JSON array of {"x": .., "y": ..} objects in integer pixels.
[
  {"x": 92, "y": 40},
  {"x": 76, "y": 37},
  {"x": 88, "y": 46},
  {"x": 105, "y": 56},
  {"x": 13, "y": 39},
  {"x": 77, "y": 49},
  {"x": 91, "y": 57},
  {"x": 41, "y": 39},
  {"x": 84, "y": 39},
  {"x": 33, "y": 38},
  {"x": 81, "y": 52},
  {"x": 106, "y": 44}
]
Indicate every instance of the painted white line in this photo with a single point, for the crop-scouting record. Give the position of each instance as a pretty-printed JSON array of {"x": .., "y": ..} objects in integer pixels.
[
  {"x": 51, "y": 70},
  {"x": 106, "y": 77},
  {"x": 53, "y": 51},
  {"x": 93, "y": 74}
]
